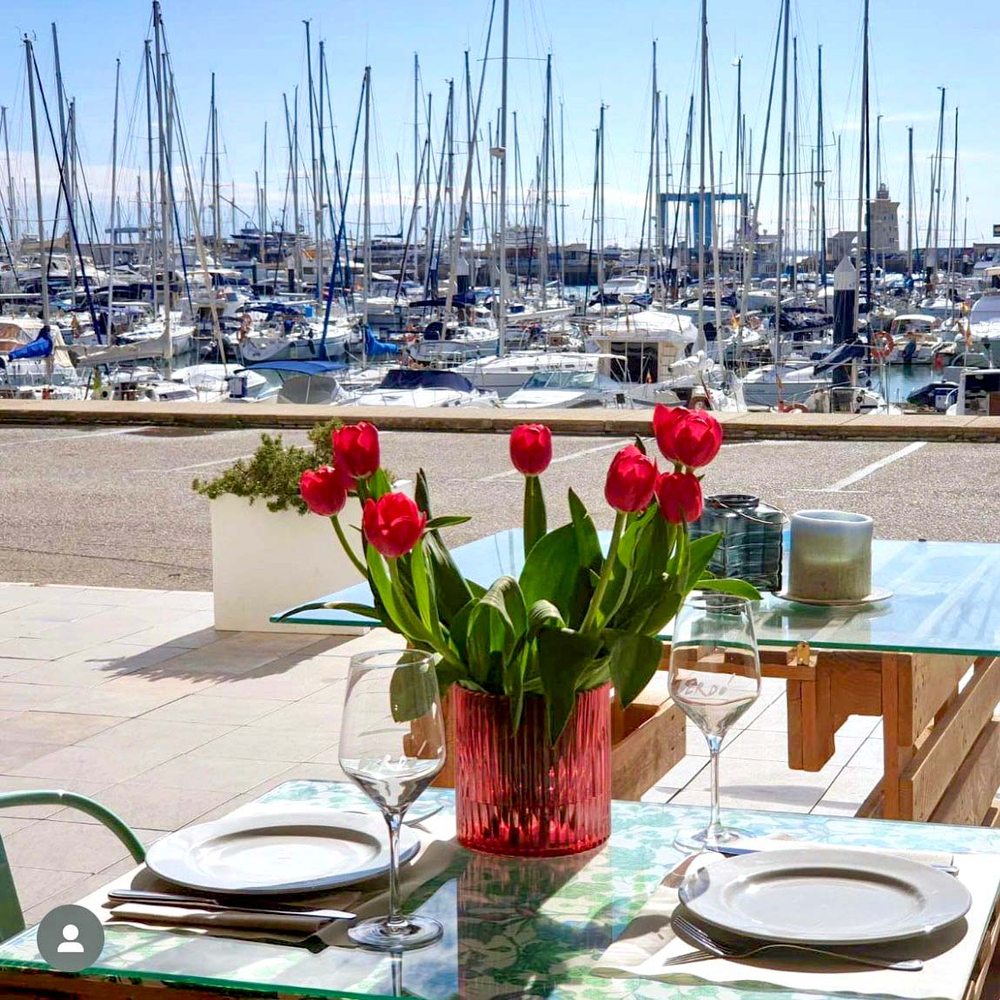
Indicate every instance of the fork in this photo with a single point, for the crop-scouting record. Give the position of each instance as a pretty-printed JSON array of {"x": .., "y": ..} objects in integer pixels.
[{"x": 695, "y": 935}]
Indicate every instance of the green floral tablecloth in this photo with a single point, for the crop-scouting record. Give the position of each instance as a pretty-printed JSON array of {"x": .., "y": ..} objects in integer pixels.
[{"x": 513, "y": 928}]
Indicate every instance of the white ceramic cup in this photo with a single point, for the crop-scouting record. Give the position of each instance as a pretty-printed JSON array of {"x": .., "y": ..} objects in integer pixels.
[{"x": 831, "y": 555}]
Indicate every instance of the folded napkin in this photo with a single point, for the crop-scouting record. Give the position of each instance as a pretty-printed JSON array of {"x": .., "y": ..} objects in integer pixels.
[
  {"x": 280, "y": 928},
  {"x": 649, "y": 945}
]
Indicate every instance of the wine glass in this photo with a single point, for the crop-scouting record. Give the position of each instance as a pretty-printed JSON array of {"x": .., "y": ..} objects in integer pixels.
[
  {"x": 392, "y": 744},
  {"x": 715, "y": 678}
]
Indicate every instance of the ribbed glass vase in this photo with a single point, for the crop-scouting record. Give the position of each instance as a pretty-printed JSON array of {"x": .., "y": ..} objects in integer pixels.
[{"x": 517, "y": 795}]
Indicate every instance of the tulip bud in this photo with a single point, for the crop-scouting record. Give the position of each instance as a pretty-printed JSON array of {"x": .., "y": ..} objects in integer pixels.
[
  {"x": 630, "y": 482},
  {"x": 531, "y": 448},
  {"x": 679, "y": 497},
  {"x": 323, "y": 490}
]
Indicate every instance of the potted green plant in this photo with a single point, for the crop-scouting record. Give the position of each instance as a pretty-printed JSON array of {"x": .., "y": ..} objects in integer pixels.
[
  {"x": 531, "y": 661},
  {"x": 265, "y": 554}
]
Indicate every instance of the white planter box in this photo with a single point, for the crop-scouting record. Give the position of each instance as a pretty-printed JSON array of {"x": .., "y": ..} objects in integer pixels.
[{"x": 265, "y": 561}]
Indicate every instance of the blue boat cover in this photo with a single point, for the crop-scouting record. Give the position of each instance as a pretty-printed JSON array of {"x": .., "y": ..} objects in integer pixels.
[
  {"x": 374, "y": 346},
  {"x": 299, "y": 367},
  {"x": 426, "y": 378},
  {"x": 40, "y": 347}
]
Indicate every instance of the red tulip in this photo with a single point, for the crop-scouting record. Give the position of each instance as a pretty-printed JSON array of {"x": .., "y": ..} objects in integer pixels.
[
  {"x": 392, "y": 524},
  {"x": 356, "y": 450},
  {"x": 687, "y": 437},
  {"x": 324, "y": 490},
  {"x": 531, "y": 448},
  {"x": 679, "y": 497},
  {"x": 631, "y": 479}
]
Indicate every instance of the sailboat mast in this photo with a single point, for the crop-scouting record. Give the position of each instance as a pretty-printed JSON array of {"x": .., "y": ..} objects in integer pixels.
[
  {"x": 151, "y": 235},
  {"x": 821, "y": 170},
  {"x": 367, "y": 274},
  {"x": 216, "y": 220},
  {"x": 114, "y": 202},
  {"x": 416, "y": 122},
  {"x": 263, "y": 207},
  {"x": 864, "y": 219},
  {"x": 930, "y": 249},
  {"x": 703, "y": 123},
  {"x": 42, "y": 242},
  {"x": 795, "y": 164},
  {"x": 314, "y": 186},
  {"x": 909, "y": 205},
  {"x": 562, "y": 204},
  {"x": 655, "y": 232},
  {"x": 11, "y": 202},
  {"x": 954, "y": 214},
  {"x": 543, "y": 261},
  {"x": 786, "y": 17},
  {"x": 321, "y": 181},
  {"x": 600, "y": 210},
  {"x": 502, "y": 317},
  {"x": 164, "y": 192},
  {"x": 738, "y": 178},
  {"x": 63, "y": 134}
]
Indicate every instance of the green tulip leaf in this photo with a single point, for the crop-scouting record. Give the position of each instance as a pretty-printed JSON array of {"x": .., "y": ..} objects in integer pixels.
[
  {"x": 634, "y": 661},
  {"x": 588, "y": 544},
  {"x": 409, "y": 697},
  {"x": 738, "y": 588},
  {"x": 534, "y": 513},
  {"x": 563, "y": 659},
  {"x": 550, "y": 570},
  {"x": 448, "y": 521}
]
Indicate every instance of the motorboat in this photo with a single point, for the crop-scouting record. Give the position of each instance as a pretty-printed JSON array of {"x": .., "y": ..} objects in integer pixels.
[
  {"x": 507, "y": 374},
  {"x": 569, "y": 389},
  {"x": 287, "y": 381},
  {"x": 912, "y": 339},
  {"x": 425, "y": 387},
  {"x": 937, "y": 396}
]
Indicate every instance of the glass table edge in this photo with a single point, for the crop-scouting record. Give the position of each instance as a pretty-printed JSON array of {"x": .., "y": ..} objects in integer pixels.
[{"x": 348, "y": 620}]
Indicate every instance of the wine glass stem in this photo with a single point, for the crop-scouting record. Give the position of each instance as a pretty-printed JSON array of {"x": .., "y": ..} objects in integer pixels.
[
  {"x": 715, "y": 822},
  {"x": 395, "y": 923}
]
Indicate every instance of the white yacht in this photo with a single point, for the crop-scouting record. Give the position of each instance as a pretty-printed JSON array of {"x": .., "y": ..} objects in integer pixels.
[
  {"x": 507, "y": 374},
  {"x": 425, "y": 387},
  {"x": 569, "y": 389}
]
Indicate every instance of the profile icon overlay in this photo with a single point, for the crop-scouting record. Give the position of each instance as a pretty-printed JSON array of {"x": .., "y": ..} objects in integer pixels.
[{"x": 70, "y": 938}]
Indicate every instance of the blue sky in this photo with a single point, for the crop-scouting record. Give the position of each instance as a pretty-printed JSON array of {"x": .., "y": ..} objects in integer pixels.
[{"x": 601, "y": 52}]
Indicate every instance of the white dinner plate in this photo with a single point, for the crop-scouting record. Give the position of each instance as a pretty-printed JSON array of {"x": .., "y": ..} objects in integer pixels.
[
  {"x": 878, "y": 594},
  {"x": 825, "y": 897},
  {"x": 285, "y": 852}
]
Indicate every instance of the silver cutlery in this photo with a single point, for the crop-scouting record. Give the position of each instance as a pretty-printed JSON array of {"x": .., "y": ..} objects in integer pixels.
[
  {"x": 214, "y": 906},
  {"x": 736, "y": 852},
  {"x": 695, "y": 935}
]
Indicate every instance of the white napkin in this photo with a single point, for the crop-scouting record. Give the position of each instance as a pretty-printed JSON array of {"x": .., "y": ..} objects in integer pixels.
[{"x": 648, "y": 945}]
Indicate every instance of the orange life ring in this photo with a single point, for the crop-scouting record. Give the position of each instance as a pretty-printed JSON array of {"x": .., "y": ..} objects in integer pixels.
[
  {"x": 784, "y": 407},
  {"x": 882, "y": 344}
]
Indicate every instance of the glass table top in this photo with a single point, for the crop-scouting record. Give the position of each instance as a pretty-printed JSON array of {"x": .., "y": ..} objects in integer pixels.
[
  {"x": 513, "y": 928},
  {"x": 946, "y": 599}
]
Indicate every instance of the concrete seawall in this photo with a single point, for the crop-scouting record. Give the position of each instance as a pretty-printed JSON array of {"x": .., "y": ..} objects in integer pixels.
[{"x": 598, "y": 421}]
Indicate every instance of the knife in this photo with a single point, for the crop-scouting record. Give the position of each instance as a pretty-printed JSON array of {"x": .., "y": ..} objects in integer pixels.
[
  {"x": 213, "y": 905},
  {"x": 735, "y": 852}
]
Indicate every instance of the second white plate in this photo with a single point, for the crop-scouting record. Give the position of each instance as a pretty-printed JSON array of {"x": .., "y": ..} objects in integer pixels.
[
  {"x": 825, "y": 897},
  {"x": 282, "y": 853}
]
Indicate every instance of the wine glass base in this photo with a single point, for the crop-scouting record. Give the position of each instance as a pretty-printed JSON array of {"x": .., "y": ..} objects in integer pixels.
[
  {"x": 418, "y": 932},
  {"x": 704, "y": 840}
]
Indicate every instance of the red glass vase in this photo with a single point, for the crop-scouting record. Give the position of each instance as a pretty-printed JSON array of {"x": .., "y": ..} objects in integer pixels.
[{"x": 516, "y": 794}]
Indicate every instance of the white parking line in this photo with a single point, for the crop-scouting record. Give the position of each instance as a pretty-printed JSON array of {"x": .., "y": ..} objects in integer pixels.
[
  {"x": 556, "y": 461},
  {"x": 855, "y": 477},
  {"x": 197, "y": 465},
  {"x": 69, "y": 437}
]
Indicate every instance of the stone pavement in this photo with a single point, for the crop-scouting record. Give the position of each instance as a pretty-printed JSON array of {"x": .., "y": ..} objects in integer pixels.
[{"x": 131, "y": 697}]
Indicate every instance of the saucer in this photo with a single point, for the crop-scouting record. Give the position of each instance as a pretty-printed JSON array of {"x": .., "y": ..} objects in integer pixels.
[{"x": 878, "y": 594}]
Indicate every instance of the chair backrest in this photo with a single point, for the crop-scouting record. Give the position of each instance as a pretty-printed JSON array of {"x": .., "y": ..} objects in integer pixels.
[{"x": 11, "y": 915}]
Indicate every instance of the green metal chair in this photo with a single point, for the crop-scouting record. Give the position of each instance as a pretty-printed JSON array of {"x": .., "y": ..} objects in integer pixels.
[{"x": 11, "y": 916}]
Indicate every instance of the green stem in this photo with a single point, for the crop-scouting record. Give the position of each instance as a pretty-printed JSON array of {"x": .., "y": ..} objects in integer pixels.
[
  {"x": 358, "y": 564},
  {"x": 606, "y": 570}
]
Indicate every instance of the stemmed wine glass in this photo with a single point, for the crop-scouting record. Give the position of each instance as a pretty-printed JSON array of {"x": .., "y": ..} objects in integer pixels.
[
  {"x": 392, "y": 744},
  {"x": 715, "y": 678}
]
